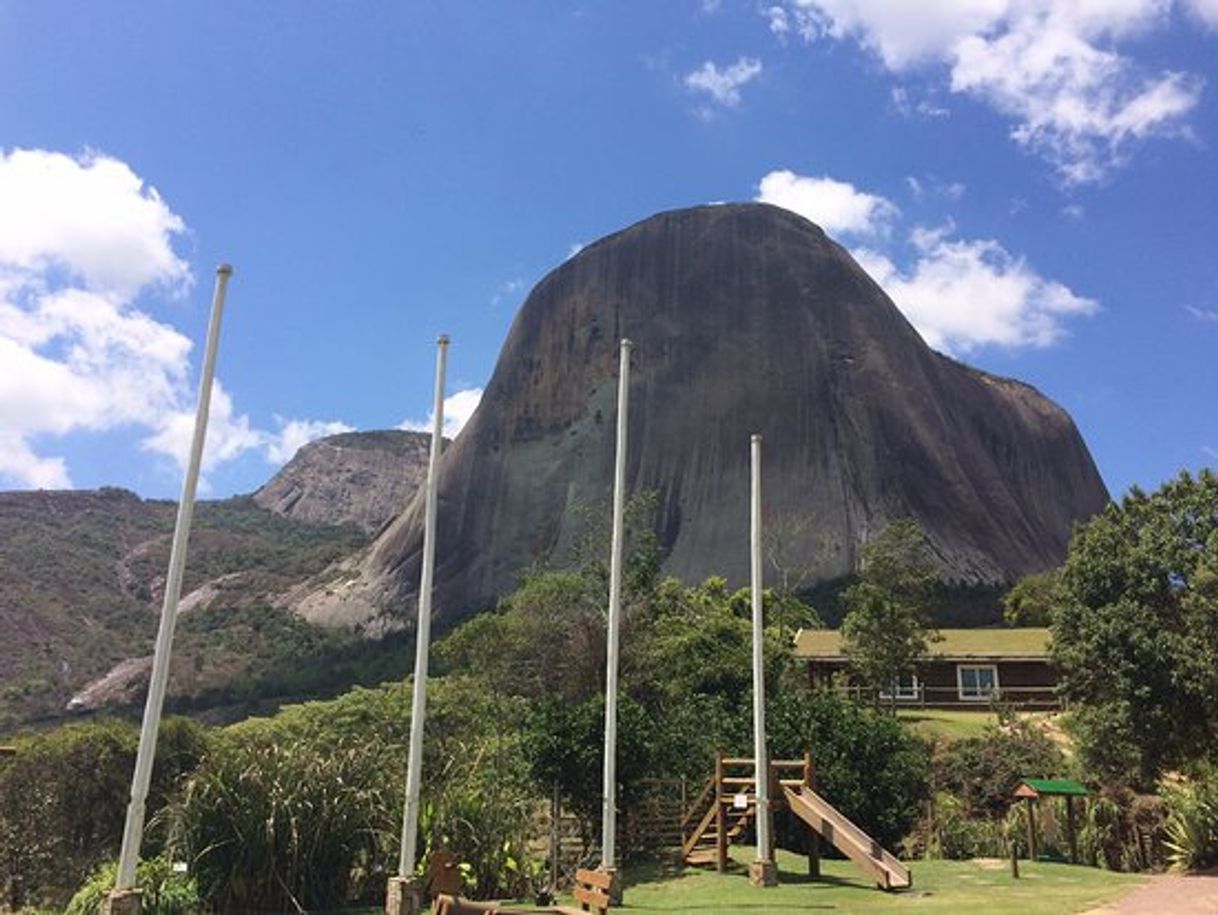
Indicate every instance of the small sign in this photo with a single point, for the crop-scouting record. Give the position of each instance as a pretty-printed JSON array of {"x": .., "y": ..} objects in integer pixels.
[
  {"x": 179, "y": 867},
  {"x": 740, "y": 801}
]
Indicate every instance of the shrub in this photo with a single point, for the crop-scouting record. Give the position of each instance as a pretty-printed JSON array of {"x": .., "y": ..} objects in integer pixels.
[
  {"x": 947, "y": 830},
  {"x": 1122, "y": 831},
  {"x": 983, "y": 772},
  {"x": 276, "y": 827},
  {"x": 1192, "y": 822},
  {"x": 867, "y": 764},
  {"x": 305, "y": 807},
  {"x": 63, "y": 800},
  {"x": 164, "y": 891},
  {"x": 565, "y": 745}
]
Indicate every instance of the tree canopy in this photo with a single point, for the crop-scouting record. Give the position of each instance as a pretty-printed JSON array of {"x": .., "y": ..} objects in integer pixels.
[
  {"x": 887, "y": 627},
  {"x": 1136, "y": 635}
]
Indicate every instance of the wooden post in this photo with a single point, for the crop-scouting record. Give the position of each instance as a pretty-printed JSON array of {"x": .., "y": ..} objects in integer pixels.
[
  {"x": 555, "y": 839},
  {"x": 1015, "y": 859},
  {"x": 1070, "y": 833},
  {"x": 814, "y": 844},
  {"x": 720, "y": 818},
  {"x": 1031, "y": 811}
]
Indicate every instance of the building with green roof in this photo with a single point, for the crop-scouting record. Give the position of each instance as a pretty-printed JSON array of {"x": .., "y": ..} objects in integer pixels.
[{"x": 965, "y": 668}]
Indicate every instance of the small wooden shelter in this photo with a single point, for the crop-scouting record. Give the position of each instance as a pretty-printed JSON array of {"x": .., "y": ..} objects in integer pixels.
[{"x": 1031, "y": 790}]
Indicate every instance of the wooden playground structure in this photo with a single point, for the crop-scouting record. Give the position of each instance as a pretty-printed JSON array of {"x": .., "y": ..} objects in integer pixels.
[{"x": 727, "y": 804}]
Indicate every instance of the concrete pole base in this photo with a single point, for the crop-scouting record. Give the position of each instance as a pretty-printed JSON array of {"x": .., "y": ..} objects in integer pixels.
[
  {"x": 123, "y": 902},
  {"x": 404, "y": 896},
  {"x": 615, "y": 884},
  {"x": 763, "y": 873}
]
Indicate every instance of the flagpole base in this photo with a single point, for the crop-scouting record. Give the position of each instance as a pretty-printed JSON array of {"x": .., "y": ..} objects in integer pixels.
[
  {"x": 123, "y": 902},
  {"x": 403, "y": 896},
  {"x": 763, "y": 873},
  {"x": 614, "y": 891}
]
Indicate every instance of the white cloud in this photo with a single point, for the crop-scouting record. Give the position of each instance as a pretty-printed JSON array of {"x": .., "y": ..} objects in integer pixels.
[
  {"x": 930, "y": 186},
  {"x": 91, "y": 216},
  {"x": 1212, "y": 452},
  {"x": 724, "y": 85},
  {"x": 909, "y": 107},
  {"x": 19, "y": 462},
  {"x": 458, "y": 408},
  {"x": 228, "y": 435},
  {"x": 1202, "y": 314},
  {"x": 836, "y": 206},
  {"x": 962, "y": 295},
  {"x": 81, "y": 238},
  {"x": 295, "y": 433},
  {"x": 507, "y": 289},
  {"x": 780, "y": 22},
  {"x": 1054, "y": 69},
  {"x": 1205, "y": 10}
]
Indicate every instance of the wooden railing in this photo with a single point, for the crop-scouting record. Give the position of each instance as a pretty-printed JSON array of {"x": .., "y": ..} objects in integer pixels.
[
  {"x": 719, "y": 815},
  {"x": 1038, "y": 697}
]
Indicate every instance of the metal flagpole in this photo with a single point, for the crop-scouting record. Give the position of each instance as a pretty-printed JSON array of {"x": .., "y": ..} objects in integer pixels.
[
  {"x": 609, "y": 787},
  {"x": 133, "y": 830},
  {"x": 418, "y": 707},
  {"x": 763, "y": 872}
]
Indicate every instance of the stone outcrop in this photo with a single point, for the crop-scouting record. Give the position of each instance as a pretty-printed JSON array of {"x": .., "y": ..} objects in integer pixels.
[
  {"x": 360, "y": 478},
  {"x": 745, "y": 318}
]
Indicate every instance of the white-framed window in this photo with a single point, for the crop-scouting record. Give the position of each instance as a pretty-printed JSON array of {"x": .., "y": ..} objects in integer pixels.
[
  {"x": 977, "y": 682},
  {"x": 907, "y": 687}
]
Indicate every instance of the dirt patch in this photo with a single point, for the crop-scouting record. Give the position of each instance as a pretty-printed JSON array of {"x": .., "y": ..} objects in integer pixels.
[{"x": 1191, "y": 894}]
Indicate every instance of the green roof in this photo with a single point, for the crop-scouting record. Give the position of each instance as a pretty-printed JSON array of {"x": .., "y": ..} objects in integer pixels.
[
  {"x": 1055, "y": 786},
  {"x": 1032, "y": 644}
]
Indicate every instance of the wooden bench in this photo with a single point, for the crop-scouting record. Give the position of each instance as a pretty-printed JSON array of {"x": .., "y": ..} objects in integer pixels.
[{"x": 591, "y": 892}]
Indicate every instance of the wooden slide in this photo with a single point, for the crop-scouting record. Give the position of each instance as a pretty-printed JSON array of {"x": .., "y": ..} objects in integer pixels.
[{"x": 864, "y": 851}]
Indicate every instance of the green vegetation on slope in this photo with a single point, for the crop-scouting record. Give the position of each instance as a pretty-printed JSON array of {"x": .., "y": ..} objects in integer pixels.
[{"x": 82, "y": 577}]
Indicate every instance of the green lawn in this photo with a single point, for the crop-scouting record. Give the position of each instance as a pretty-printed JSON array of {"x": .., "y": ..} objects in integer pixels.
[
  {"x": 939, "y": 887},
  {"x": 949, "y": 724}
]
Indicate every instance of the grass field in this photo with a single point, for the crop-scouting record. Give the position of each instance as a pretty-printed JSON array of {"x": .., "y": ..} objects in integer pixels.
[
  {"x": 949, "y": 724},
  {"x": 939, "y": 887}
]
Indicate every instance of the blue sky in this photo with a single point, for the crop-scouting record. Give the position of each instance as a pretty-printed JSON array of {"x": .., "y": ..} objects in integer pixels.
[{"x": 1034, "y": 183}]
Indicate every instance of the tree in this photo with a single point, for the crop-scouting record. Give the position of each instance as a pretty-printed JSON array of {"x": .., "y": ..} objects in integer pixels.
[
  {"x": 63, "y": 796},
  {"x": 1032, "y": 600},
  {"x": 873, "y": 768},
  {"x": 1136, "y": 633},
  {"x": 887, "y": 628},
  {"x": 548, "y": 636},
  {"x": 565, "y": 746}
]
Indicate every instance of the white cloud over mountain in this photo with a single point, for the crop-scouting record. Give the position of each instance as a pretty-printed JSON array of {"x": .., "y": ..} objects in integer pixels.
[
  {"x": 960, "y": 294},
  {"x": 724, "y": 85},
  {"x": 81, "y": 238},
  {"x": 458, "y": 408},
  {"x": 1061, "y": 73},
  {"x": 836, "y": 206}
]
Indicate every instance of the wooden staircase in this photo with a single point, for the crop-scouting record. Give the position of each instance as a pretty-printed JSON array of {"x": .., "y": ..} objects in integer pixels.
[{"x": 724, "y": 809}]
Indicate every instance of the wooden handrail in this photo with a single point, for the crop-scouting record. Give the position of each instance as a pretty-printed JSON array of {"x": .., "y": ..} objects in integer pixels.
[
  {"x": 776, "y": 763},
  {"x": 688, "y": 844},
  {"x": 703, "y": 797}
]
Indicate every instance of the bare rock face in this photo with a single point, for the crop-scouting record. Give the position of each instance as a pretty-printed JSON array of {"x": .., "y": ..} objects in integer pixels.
[
  {"x": 745, "y": 318},
  {"x": 360, "y": 478}
]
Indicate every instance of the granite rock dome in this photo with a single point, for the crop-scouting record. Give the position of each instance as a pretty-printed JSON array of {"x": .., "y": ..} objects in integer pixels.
[{"x": 745, "y": 318}]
